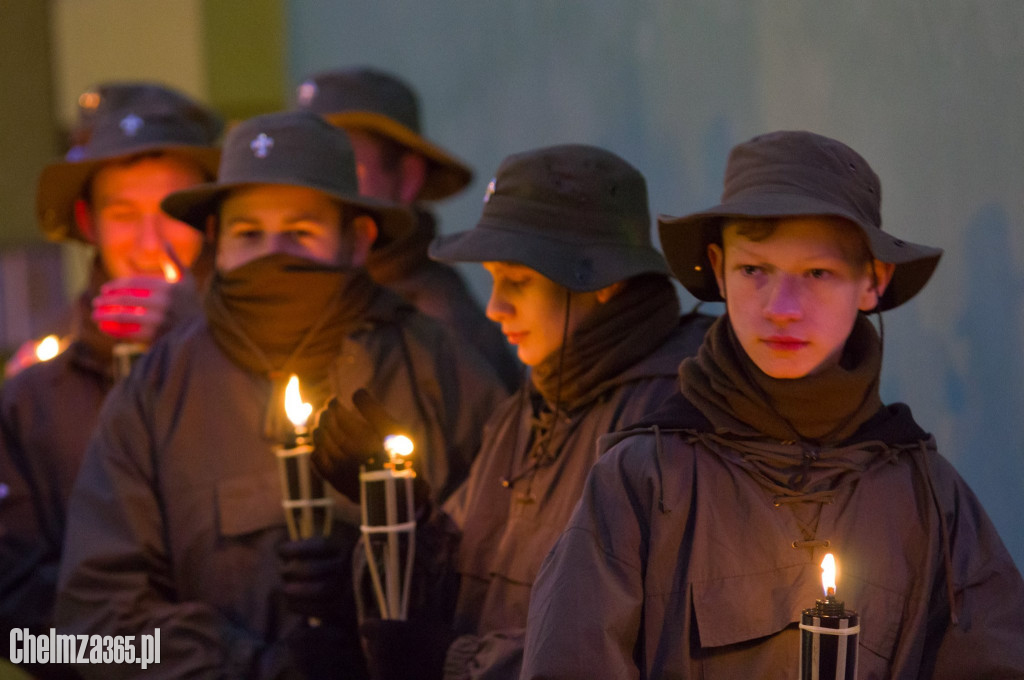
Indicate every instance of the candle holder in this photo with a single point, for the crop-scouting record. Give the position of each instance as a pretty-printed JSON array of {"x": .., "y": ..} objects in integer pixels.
[
  {"x": 308, "y": 510},
  {"x": 829, "y": 635},
  {"x": 124, "y": 355},
  {"x": 389, "y": 527}
]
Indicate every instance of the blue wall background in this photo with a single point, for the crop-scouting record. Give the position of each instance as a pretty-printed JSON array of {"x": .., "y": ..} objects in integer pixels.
[{"x": 929, "y": 91}]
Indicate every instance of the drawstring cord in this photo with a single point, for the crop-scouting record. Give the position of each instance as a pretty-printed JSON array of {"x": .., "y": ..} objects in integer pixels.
[{"x": 544, "y": 455}]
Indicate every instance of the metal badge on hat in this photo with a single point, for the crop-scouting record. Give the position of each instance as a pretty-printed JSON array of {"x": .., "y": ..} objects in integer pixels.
[
  {"x": 307, "y": 91},
  {"x": 131, "y": 124},
  {"x": 261, "y": 145}
]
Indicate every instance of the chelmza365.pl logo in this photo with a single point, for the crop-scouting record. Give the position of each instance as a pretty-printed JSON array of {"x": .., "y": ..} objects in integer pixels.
[{"x": 86, "y": 649}]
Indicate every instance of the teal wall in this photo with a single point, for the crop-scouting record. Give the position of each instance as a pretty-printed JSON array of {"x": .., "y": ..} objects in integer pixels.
[{"x": 927, "y": 90}]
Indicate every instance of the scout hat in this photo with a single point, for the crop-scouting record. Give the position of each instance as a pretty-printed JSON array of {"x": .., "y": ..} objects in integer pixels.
[
  {"x": 364, "y": 99},
  {"x": 577, "y": 214},
  {"x": 791, "y": 174},
  {"x": 292, "y": 148},
  {"x": 120, "y": 94},
  {"x": 153, "y": 121}
]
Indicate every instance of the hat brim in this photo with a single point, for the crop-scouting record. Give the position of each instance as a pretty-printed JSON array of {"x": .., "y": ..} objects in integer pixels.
[
  {"x": 447, "y": 174},
  {"x": 685, "y": 241},
  {"x": 194, "y": 205},
  {"x": 568, "y": 263},
  {"x": 61, "y": 184}
]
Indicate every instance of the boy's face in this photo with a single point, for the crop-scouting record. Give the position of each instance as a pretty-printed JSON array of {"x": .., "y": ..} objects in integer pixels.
[
  {"x": 793, "y": 297},
  {"x": 531, "y": 309},
  {"x": 125, "y": 222},
  {"x": 265, "y": 219}
]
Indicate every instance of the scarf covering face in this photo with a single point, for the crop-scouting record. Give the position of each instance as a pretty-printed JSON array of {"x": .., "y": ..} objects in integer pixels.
[
  {"x": 282, "y": 314},
  {"x": 825, "y": 407},
  {"x": 619, "y": 333}
]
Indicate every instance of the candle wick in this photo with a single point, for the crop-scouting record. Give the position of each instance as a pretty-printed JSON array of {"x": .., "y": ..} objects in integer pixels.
[{"x": 830, "y": 592}]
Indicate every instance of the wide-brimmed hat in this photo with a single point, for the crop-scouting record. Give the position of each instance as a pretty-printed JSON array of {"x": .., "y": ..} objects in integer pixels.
[
  {"x": 153, "y": 121},
  {"x": 792, "y": 174},
  {"x": 117, "y": 94},
  {"x": 575, "y": 213},
  {"x": 365, "y": 99},
  {"x": 291, "y": 148}
]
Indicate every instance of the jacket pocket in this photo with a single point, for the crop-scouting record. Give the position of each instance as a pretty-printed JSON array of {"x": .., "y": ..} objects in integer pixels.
[
  {"x": 249, "y": 503},
  {"x": 734, "y": 614}
]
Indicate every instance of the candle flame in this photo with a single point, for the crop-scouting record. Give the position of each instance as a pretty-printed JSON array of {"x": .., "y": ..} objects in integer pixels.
[
  {"x": 48, "y": 348},
  {"x": 828, "y": 574},
  {"x": 297, "y": 410},
  {"x": 398, "y": 445},
  {"x": 171, "y": 273}
]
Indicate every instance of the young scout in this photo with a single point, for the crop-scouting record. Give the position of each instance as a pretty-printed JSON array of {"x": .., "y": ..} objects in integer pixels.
[
  {"x": 395, "y": 162},
  {"x": 140, "y": 150},
  {"x": 587, "y": 302},
  {"x": 176, "y": 519},
  {"x": 698, "y": 538}
]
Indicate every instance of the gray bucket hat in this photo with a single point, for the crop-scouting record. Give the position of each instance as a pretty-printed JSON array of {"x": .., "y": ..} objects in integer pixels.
[
  {"x": 151, "y": 121},
  {"x": 117, "y": 94},
  {"x": 791, "y": 174},
  {"x": 365, "y": 99},
  {"x": 291, "y": 148},
  {"x": 577, "y": 214}
]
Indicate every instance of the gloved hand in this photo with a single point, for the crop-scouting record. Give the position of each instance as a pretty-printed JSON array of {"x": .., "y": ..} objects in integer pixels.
[
  {"x": 346, "y": 438},
  {"x": 316, "y": 575},
  {"x": 405, "y": 650}
]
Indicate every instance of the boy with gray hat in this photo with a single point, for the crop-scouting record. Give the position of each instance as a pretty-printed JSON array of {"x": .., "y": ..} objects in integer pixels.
[
  {"x": 141, "y": 149},
  {"x": 696, "y": 545},
  {"x": 585, "y": 298},
  {"x": 176, "y": 517},
  {"x": 397, "y": 163}
]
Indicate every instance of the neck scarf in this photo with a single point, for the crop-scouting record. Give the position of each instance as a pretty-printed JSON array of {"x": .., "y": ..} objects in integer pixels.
[
  {"x": 620, "y": 332},
  {"x": 825, "y": 407},
  {"x": 282, "y": 314}
]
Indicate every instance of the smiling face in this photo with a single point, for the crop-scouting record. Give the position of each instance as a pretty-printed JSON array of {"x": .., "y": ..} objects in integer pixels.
[
  {"x": 266, "y": 219},
  {"x": 793, "y": 290},
  {"x": 123, "y": 217},
  {"x": 531, "y": 309}
]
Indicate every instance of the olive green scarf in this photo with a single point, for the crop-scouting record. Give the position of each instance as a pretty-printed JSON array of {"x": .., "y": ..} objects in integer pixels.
[{"x": 826, "y": 407}]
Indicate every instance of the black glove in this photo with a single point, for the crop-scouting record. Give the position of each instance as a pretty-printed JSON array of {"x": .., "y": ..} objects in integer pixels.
[
  {"x": 405, "y": 650},
  {"x": 316, "y": 575},
  {"x": 316, "y": 653},
  {"x": 345, "y": 438}
]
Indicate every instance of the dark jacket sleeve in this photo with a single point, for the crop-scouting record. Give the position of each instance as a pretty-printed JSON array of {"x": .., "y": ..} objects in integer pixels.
[
  {"x": 989, "y": 592},
  {"x": 116, "y": 578},
  {"x": 31, "y": 525},
  {"x": 586, "y": 607}
]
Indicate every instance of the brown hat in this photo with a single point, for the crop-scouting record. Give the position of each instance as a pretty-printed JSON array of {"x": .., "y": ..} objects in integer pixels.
[
  {"x": 292, "y": 148},
  {"x": 791, "y": 174},
  {"x": 120, "y": 94},
  {"x": 152, "y": 122},
  {"x": 577, "y": 214},
  {"x": 365, "y": 99}
]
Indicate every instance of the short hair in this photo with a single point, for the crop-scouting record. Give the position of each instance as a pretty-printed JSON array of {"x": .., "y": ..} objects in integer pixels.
[{"x": 761, "y": 228}]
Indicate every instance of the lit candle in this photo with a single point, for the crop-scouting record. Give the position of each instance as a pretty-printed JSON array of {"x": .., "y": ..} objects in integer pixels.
[
  {"x": 829, "y": 634},
  {"x": 389, "y": 526},
  {"x": 48, "y": 348}
]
